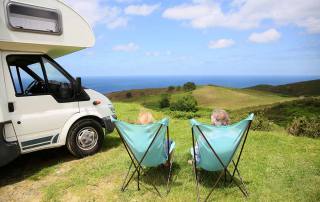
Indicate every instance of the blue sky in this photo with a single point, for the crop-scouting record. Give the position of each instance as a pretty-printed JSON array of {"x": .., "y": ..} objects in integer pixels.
[{"x": 199, "y": 37}]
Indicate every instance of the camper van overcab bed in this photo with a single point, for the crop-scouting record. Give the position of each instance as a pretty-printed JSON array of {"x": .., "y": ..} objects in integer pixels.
[{"x": 41, "y": 105}]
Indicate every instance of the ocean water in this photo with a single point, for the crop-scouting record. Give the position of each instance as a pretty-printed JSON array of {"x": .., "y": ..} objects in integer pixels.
[{"x": 109, "y": 84}]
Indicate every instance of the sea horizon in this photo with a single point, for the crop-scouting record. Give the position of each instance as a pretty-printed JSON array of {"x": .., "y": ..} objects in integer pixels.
[{"x": 108, "y": 84}]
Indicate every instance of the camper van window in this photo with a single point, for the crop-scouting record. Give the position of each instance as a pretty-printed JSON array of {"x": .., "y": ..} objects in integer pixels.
[
  {"x": 23, "y": 17},
  {"x": 27, "y": 75},
  {"x": 38, "y": 75},
  {"x": 58, "y": 84}
]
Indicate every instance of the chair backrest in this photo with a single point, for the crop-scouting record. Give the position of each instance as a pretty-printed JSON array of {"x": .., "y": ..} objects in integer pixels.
[
  {"x": 223, "y": 139},
  {"x": 139, "y": 137}
]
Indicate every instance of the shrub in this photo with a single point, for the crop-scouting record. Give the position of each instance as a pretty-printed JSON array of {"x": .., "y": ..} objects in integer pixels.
[
  {"x": 164, "y": 102},
  {"x": 178, "y": 88},
  {"x": 186, "y": 103},
  {"x": 183, "y": 115},
  {"x": 261, "y": 123},
  {"x": 171, "y": 88},
  {"x": 304, "y": 126},
  {"x": 129, "y": 95},
  {"x": 189, "y": 86}
]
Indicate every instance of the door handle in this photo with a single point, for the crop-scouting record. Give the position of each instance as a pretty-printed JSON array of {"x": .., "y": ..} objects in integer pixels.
[{"x": 11, "y": 107}]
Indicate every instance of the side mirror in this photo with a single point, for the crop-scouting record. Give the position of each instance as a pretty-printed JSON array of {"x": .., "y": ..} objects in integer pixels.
[{"x": 78, "y": 86}]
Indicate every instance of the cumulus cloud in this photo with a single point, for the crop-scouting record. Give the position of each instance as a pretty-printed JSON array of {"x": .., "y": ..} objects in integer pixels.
[
  {"x": 221, "y": 43},
  {"x": 265, "y": 37},
  {"x": 142, "y": 10},
  {"x": 247, "y": 14},
  {"x": 130, "y": 47},
  {"x": 95, "y": 12}
]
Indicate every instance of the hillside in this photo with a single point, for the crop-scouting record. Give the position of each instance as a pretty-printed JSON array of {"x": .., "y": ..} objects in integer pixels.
[
  {"x": 206, "y": 96},
  {"x": 304, "y": 88},
  {"x": 274, "y": 166}
]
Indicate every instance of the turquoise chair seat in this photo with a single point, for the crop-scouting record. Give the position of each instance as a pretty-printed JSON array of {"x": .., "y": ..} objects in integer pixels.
[{"x": 223, "y": 139}]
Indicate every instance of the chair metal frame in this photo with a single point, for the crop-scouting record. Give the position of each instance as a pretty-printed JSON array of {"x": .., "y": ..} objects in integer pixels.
[
  {"x": 225, "y": 170},
  {"x": 137, "y": 164}
]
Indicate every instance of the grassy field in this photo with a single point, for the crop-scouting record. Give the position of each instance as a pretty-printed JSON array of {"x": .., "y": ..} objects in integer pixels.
[
  {"x": 206, "y": 96},
  {"x": 304, "y": 88},
  {"x": 275, "y": 167}
]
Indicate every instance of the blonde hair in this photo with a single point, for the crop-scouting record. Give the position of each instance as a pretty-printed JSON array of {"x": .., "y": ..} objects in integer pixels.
[
  {"x": 145, "y": 117},
  {"x": 220, "y": 117}
]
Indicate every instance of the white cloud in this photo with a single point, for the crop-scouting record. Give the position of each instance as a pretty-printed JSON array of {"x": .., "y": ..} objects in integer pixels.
[
  {"x": 265, "y": 37},
  {"x": 247, "y": 14},
  {"x": 96, "y": 12},
  {"x": 221, "y": 43},
  {"x": 152, "y": 53},
  {"x": 130, "y": 47},
  {"x": 127, "y": 1},
  {"x": 158, "y": 53},
  {"x": 143, "y": 9}
]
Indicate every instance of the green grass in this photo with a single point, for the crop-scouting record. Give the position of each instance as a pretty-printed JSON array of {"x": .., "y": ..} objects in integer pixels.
[
  {"x": 284, "y": 113},
  {"x": 304, "y": 88},
  {"x": 206, "y": 96},
  {"x": 275, "y": 167}
]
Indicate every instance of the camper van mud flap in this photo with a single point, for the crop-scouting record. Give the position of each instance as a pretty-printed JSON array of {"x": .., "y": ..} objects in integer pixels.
[{"x": 8, "y": 151}]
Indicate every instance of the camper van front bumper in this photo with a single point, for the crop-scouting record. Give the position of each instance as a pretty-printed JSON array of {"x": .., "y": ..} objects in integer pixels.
[
  {"x": 108, "y": 124},
  {"x": 8, "y": 150}
]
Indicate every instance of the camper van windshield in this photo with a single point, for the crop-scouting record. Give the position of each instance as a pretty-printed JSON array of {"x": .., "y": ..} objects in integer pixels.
[{"x": 37, "y": 75}]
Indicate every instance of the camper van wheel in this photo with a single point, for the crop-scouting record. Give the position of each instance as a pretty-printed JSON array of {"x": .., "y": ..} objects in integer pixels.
[{"x": 85, "y": 138}]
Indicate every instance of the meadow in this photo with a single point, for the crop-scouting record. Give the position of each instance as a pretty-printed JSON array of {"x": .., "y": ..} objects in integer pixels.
[{"x": 275, "y": 166}]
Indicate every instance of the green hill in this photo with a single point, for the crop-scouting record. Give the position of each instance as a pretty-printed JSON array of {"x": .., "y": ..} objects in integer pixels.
[
  {"x": 304, "y": 88},
  {"x": 206, "y": 96}
]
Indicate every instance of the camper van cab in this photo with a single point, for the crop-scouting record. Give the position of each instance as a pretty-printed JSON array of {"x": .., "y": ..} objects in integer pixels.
[{"x": 41, "y": 105}]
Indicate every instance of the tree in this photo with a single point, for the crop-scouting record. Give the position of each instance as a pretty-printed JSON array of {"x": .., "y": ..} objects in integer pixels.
[
  {"x": 170, "y": 88},
  {"x": 164, "y": 102},
  {"x": 129, "y": 95},
  {"x": 189, "y": 86},
  {"x": 186, "y": 103}
]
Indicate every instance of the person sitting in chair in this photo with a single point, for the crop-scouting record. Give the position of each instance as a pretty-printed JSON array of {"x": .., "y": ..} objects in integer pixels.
[
  {"x": 146, "y": 117},
  {"x": 219, "y": 117}
]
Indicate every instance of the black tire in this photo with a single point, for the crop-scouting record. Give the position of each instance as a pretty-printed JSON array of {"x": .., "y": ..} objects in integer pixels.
[{"x": 76, "y": 132}]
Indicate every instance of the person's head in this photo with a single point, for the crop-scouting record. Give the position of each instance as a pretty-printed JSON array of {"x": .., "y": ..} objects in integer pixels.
[
  {"x": 220, "y": 117},
  {"x": 145, "y": 118}
]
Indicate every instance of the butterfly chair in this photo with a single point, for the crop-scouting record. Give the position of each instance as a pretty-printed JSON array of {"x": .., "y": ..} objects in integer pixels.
[
  {"x": 217, "y": 146},
  {"x": 148, "y": 146}
]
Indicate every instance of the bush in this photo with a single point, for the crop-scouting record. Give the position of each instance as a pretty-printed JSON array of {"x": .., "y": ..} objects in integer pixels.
[
  {"x": 178, "y": 88},
  {"x": 164, "y": 102},
  {"x": 304, "y": 126},
  {"x": 186, "y": 103},
  {"x": 262, "y": 124},
  {"x": 171, "y": 88},
  {"x": 129, "y": 95},
  {"x": 189, "y": 86},
  {"x": 183, "y": 115}
]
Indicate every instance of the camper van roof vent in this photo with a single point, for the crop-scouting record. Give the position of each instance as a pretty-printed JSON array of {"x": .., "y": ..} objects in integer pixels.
[{"x": 29, "y": 18}]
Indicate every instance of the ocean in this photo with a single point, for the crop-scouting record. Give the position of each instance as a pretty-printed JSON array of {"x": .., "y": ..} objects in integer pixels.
[{"x": 107, "y": 84}]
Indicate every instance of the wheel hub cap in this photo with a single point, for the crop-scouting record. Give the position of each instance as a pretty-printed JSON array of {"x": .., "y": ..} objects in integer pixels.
[{"x": 87, "y": 138}]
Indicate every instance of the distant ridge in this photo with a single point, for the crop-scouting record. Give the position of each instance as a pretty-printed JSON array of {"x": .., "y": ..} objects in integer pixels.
[{"x": 304, "y": 88}]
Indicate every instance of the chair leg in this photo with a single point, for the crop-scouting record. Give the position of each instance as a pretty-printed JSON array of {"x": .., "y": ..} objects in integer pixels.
[
  {"x": 215, "y": 184},
  {"x": 196, "y": 174},
  {"x": 125, "y": 179},
  {"x": 138, "y": 179},
  {"x": 169, "y": 175},
  {"x": 241, "y": 180}
]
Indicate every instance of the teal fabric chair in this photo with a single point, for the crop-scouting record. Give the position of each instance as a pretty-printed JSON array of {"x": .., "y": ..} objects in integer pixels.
[
  {"x": 216, "y": 147},
  {"x": 148, "y": 145}
]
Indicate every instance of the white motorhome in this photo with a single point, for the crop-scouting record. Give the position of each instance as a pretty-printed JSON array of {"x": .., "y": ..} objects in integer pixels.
[{"x": 41, "y": 105}]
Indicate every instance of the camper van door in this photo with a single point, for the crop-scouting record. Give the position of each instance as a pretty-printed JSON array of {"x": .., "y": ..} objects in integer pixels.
[{"x": 38, "y": 92}]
